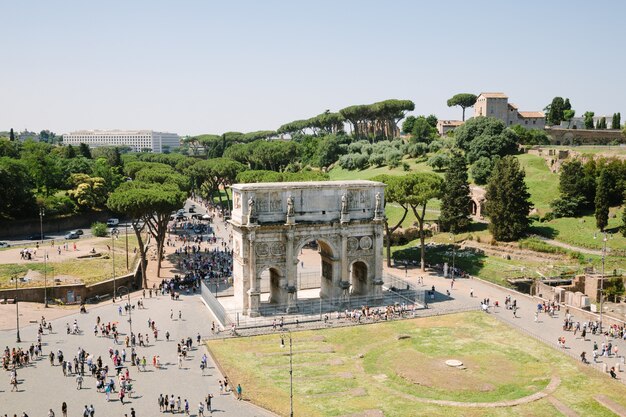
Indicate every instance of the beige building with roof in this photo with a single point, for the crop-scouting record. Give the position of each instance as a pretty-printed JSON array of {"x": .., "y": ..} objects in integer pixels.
[
  {"x": 497, "y": 105},
  {"x": 445, "y": 126}
]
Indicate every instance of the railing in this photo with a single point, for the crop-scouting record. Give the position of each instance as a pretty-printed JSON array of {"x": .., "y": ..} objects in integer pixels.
[{"x": 214, "y": 305}]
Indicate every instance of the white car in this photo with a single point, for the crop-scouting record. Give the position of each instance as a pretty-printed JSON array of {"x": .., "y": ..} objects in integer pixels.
[
  {"x": 4, "y": 245},
  {"x": 113, "y": 222}
]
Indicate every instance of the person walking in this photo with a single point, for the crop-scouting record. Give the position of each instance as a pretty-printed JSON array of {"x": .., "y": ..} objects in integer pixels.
[
  {"x": 64, "y": 409},
  {"x": 92, "y": 410},
  {"x": 200, "y": 409},
  {"x": 208, "y": 401},
  {"x": 79, "y": 382},
  {"x": 239, "y": 392}
]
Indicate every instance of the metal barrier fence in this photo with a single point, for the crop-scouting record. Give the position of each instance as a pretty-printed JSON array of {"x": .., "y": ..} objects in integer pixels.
[
  {"x": 214, "y": 305},
  {"x": 304, "y": 310}
]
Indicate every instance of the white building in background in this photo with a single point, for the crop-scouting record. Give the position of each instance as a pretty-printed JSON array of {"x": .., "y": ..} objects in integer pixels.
[{"x": 137, "y": 140}]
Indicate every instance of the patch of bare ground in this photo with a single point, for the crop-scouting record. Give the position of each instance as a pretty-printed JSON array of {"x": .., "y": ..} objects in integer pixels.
[{"x": 434, "y": 373}]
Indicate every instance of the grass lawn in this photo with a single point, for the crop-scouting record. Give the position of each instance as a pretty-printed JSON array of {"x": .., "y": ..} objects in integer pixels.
[
  {"x": 416, "y": 165},
  {"x": 580, "y": 231},
  {"x": 543, "y": 185},
  {"x": 491, "y": 268},
  {"x": 350, "y": 370},
  {"x": 89, "y": 271}
]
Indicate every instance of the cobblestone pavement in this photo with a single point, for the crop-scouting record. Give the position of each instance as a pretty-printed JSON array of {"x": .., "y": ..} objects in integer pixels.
[{"x": 42, "y": 386}]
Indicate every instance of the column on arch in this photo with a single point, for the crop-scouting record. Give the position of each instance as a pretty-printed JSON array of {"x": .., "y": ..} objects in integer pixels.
[{"x": 254, "y": 293}]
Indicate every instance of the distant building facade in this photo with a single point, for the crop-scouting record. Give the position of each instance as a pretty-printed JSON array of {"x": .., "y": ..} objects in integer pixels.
[
  {"x": 579, "y": 122},
  {"x": 445, "y": 126},
  {"x": 137, "y": 140},
  {"x": 497, "y": 105}
]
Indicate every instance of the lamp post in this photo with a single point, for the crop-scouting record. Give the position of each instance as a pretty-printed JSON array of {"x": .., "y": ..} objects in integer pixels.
[
  {"x": 126, "y": 228},
  {"x": 282, "y": 345},
  {"x": 17, "y": 311},
  {"x": 113, "y": 260},
  {"x": 42, "y": 212},
  {"x": 604, "y": 239},
  {"x": 45, "y": 278},
  {"x": 130, "y": 317}
]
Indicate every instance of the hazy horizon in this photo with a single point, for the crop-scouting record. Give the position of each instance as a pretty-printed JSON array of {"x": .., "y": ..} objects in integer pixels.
[{"x": 193, "y": 67}]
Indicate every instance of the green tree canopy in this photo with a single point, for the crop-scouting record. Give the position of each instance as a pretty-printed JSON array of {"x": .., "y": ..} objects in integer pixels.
[
  {"x": 463, "y": 100},
  {"x": 475, "y": 127},
  {"x": 394, "y": 193},
  {"x": 420, "y": 189},
  {"x": 556, "y": 111},
  {"x": 507, "y": 200},
  {"x": 455, "y": 196},
  {"x": 148, "y": 205},
  {"x": 16, "y": 188},
  {"x": 602, "y": 199}
]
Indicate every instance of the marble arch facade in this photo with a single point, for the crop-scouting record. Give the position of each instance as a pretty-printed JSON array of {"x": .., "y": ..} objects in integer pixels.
[{"x": 271, "y": 222}]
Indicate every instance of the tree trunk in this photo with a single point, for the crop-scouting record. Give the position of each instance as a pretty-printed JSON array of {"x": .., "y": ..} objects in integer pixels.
[
  {"x": 389, "y": 231},
  {"x": 142, "y": 254},
  {"x": 420, "y": 222},
  {"x": 463, "y": 113}
]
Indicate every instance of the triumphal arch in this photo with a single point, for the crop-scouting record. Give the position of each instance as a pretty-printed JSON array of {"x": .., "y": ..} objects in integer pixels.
[{"x": 272, "y": 222}]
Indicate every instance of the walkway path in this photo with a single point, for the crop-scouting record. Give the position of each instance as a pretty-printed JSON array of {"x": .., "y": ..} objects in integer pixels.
[{"x": 570, "y": 247}]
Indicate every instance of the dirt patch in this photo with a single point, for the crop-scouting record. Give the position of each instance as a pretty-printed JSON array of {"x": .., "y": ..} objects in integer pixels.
[
  {"x": 346, "y": 375},
  {"x": 433, "y": 372},
  {"x": 336, "y": 362},
  {"x": 357, "y": 392}
]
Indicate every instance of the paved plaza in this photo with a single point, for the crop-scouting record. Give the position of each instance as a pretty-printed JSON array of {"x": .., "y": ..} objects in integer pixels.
[{"x": 43, "y": 387}]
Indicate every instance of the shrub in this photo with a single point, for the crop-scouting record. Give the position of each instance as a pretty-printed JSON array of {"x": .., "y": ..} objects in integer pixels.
[
  {"x": 566, "y": 206},
  {"x": 435, "y": 146},
  {"x": 99, "y": 229},
  {"x": 393, "y": 157},
  {"x": 406, "y": 166},
  {"x": 481, "y": 170},
  {"x": 439, "y": 161},
  {"x": 417, "y": 149},
  {"x": 377, "y": 159},
  {"x": 60, "y": 204}
]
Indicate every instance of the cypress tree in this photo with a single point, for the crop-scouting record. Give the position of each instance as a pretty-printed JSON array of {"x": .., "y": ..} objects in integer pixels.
[
  {"x": 507, "y": 202},
  {"x": 614, "y": 122},
  {"x": 12, "y": 135},
  {"x": 455, "y": 200},
  {"x": 602, "y": 199},
  {"x": 84, "y": 150}
]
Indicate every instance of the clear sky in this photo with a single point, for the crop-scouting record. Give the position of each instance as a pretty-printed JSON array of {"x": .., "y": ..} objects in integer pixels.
[{"x": 194, "y": 67}]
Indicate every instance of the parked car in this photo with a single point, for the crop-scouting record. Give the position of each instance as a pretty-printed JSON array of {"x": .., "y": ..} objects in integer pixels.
[
  {"x": 192, "y": 209},
  {"x": 77, "y": 231},
  {"x": 72, "y": 235},
  {"x": 113, "y": 222},
  {"x": 4, "y": 245},
  {"x": 206, "y": 217},
  {"x": 196, "y": 216},
  {"x": 36, "y": 236}
]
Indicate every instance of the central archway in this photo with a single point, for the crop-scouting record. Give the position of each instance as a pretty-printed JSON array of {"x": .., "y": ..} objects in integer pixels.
[
  {"x": 323, "y": 275},
  {"x": 272, "y": 222}
]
